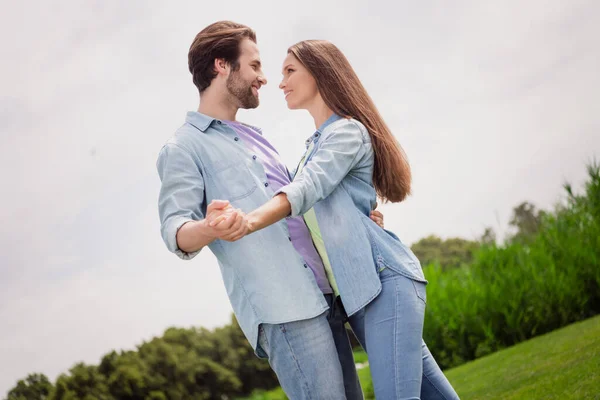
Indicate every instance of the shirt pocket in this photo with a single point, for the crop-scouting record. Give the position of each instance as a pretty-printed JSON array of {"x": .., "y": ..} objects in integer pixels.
[{"x": 234, "y": 181}]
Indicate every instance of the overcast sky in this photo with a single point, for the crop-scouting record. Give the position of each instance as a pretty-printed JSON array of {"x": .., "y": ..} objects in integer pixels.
[{"x": 494, "y": 103}]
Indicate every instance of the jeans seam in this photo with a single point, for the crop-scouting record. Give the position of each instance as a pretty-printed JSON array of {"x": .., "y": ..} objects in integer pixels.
[
  {"x": 434, "y": 386},
  {"x": 304, "y": 385}
]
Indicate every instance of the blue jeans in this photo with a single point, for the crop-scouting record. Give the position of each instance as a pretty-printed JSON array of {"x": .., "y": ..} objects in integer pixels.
[
  {"x": 390, "y": 328},
  {"x": 312, "y": 358}
]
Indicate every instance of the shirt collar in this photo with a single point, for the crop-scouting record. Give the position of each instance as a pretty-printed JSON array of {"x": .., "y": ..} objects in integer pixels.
[
  {"x": 334, "y": 117},
  {"x": 198, "y": 120},
  {"x": 315, "y": 136},
  {"x": 203, "y": 121}
]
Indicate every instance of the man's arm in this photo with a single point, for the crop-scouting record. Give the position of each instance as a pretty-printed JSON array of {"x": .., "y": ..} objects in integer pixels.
[{"x": 180, "y": 202}]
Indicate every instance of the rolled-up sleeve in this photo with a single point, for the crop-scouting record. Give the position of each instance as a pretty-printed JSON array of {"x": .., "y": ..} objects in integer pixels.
[
  {"x": 332, "y": 161},
  {"x": 181, "y": 194}
]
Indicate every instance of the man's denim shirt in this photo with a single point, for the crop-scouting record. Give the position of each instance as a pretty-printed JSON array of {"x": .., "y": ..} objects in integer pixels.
[
  {"x": 337, "y": 181},
  {"x": 266, "y": 279}
]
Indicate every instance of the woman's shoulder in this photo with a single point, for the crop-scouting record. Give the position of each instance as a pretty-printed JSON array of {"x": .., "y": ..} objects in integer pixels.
[{"x": 350, "y": 126}]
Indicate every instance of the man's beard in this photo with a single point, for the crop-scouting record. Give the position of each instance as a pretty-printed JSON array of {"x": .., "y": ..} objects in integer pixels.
[{"x": 241, "y": 91}]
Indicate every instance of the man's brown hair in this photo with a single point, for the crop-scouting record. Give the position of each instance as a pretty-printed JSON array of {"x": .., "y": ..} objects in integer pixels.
[{"x": 219, "y": 40}]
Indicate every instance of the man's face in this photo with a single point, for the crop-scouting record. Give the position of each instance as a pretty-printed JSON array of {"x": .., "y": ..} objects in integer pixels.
[{"x": 243, "y": 84}]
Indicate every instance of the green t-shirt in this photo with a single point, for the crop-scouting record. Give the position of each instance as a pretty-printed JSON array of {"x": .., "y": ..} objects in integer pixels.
[{"x": 313, "y": 226}]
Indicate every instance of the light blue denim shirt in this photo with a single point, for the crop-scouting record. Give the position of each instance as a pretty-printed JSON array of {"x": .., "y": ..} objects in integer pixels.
[
  {"x": 337, "y": 180},
  {"x": 266, "y": 279}
]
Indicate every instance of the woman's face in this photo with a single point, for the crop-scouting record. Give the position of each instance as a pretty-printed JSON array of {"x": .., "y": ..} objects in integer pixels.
[{"x": 298, "y": 85}]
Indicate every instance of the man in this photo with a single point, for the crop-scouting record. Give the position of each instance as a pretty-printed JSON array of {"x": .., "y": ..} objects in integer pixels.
[{"x": 274, "y": 278}]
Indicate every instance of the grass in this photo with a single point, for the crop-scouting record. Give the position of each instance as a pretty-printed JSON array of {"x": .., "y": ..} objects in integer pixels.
[{"x": 564, "y": 364}]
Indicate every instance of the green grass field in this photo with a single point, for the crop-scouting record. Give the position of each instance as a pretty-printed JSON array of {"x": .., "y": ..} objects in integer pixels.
[{"x": 564, "y": 364}]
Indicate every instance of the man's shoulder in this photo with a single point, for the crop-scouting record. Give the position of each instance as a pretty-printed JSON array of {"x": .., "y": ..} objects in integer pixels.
[{"x": 186, "y": 136}]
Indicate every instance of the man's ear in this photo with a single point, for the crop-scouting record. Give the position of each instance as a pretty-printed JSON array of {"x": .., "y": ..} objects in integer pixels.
[{"x": 221, "y": 66}]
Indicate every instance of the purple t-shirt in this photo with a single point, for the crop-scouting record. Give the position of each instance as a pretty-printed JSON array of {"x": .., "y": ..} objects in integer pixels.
[{"x": 278, "y": 176}]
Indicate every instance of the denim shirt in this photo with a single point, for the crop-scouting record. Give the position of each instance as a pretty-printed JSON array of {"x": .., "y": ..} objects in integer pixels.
[
  {"x": 337, "y": 180},
  {"x": 267, "y": 281}
]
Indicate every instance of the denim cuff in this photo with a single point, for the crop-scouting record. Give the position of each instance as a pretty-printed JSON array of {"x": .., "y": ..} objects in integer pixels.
[
  {"x": 175, "y": 224},
  {"x": 294, "y": 196}
]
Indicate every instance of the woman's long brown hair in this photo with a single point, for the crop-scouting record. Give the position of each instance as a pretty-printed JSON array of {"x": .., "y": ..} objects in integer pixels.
[{"x": 345, "y": 95}]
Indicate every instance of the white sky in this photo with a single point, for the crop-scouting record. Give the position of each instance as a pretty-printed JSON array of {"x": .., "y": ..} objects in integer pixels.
[{"x": 494, "y": 102}]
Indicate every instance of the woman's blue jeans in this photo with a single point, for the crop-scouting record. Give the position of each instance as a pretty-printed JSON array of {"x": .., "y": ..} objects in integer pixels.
[{"x": 390, "y": 329}]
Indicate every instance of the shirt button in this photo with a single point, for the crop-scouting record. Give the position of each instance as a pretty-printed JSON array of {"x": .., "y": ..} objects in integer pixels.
[
  {"x": 254, "y": 157},
  {"x": 236, "y": 138},
  {"x": 290, "y": 238},
  {"x": 266, "y": 184},
  {"x": 305, "y": 266}
]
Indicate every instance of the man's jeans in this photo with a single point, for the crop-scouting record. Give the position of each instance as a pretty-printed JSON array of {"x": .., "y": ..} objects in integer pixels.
[
  {"x": 304, "y": 355},
  {"x": 390, "y": 328}
]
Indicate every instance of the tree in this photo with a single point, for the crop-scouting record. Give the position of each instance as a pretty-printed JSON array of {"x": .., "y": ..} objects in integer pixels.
[
  {"x": 450, "y": 253},
  {"x": 34, "y": 387},
  {"x": 237, "y": 354},
  {"x": 526, "y": 221},
  {"x": 84, "y": 382},
  {"x": 488, "y": 237}
]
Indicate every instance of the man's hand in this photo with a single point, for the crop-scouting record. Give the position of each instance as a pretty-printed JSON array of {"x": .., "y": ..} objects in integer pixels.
[
  {"x": 194, "y": 235},
  {"x": 217, "y": 211},
  {"x": 377, "y": 217},
  {"x": 225, "y": 222}
]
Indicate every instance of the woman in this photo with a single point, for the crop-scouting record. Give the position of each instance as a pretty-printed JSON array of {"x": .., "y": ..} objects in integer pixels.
[{"x": 350, "y": 159}]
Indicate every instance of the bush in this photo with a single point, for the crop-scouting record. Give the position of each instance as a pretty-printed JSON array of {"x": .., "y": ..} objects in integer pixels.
[{"x": 512, "y": 293}]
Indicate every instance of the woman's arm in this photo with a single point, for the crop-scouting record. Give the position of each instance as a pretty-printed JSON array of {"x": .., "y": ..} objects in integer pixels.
[
  {"x": 330, "y": 164},
  {"x": 272, "y": 211},
  {"x": 339, "y": 152},
  {"x": 279, "y": 207}
]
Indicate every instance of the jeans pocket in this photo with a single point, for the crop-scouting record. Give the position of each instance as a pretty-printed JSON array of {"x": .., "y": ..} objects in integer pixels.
[{"x": 420, "y": 290}]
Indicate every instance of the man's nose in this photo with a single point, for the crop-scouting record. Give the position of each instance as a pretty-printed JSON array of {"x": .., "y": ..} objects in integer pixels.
[{"x": 262, "y": 80}]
